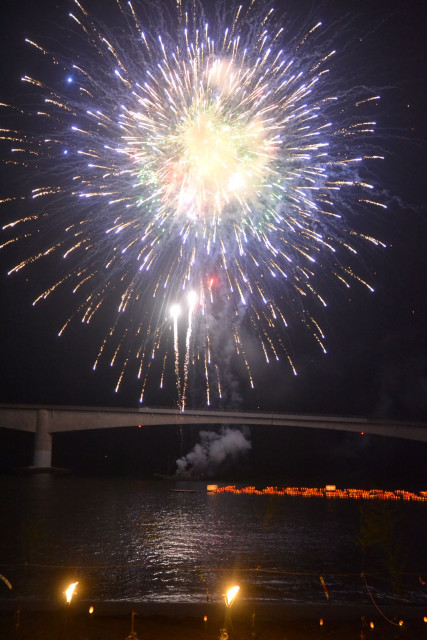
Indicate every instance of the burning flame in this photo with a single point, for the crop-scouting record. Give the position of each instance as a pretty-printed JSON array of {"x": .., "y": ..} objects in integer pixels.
[
  {"x": 69, "y": 592},
  {"x": 231, "y": 594}
]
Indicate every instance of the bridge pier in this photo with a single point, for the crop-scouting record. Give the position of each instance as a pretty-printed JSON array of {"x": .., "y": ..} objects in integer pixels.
[{"x": 43, "y": 443}]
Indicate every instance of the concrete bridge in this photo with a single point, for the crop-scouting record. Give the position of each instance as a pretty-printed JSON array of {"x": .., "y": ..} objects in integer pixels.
[{"x": 47, "y": 420}]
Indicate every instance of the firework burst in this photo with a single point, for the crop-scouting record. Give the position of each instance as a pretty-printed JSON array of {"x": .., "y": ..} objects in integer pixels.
[{"x": 202, "y": 165}]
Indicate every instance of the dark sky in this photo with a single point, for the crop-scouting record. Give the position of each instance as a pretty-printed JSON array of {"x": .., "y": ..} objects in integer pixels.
[{"x": 377, "y": 350}]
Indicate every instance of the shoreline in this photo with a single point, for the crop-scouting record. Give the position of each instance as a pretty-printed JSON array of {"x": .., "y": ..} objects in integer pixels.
[
  {"x": 267, "y": 610},
  {"x": 203, "y": 621}
]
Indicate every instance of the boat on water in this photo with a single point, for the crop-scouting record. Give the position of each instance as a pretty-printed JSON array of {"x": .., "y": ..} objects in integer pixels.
[
  {"x": 164, "y": 476},
  {"x": 184, "y": 490},
  {"x": 211, "y": 488},
  {"x": 177, "y": 476}
]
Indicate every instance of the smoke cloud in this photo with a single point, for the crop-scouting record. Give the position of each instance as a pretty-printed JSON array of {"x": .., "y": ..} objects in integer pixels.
[{"x": 214, "y": 451}]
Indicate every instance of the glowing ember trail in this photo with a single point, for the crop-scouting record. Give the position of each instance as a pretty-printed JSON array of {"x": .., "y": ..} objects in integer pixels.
[{"x": 216, "y": 164}]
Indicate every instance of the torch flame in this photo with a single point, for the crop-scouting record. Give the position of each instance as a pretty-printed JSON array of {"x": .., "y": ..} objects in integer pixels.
[
  {"x": 231, "y": 594},
  {"x": 69, "y": 592}
]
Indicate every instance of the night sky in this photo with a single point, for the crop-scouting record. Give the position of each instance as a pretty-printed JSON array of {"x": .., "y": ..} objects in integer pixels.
[{"x": 376, "y": 363}]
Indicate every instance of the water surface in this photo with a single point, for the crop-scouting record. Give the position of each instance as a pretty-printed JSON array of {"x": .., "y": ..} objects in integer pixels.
[{"x": 130, "y": 539}]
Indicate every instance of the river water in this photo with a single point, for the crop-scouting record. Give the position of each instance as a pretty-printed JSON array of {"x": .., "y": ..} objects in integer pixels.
[{"x": 127, "y": 539}]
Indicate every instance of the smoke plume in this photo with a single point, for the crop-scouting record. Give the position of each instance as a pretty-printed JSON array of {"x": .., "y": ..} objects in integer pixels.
[{"x": 215, "y": 451}]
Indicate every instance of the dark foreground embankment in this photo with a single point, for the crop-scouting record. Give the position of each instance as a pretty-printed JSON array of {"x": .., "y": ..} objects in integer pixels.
[{"x": 177, "y": 621}]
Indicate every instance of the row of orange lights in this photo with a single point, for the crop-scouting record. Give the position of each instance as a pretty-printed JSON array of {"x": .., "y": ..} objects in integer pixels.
[{"x": 330, "y": 491}]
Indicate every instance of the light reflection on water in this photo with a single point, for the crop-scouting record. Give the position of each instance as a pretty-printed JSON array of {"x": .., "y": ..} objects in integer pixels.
[{"x": 128, "y": 539}]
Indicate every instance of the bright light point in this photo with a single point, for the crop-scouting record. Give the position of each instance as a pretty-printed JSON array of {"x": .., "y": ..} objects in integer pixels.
[
  {"x": 175, "y": 310},
  {"x": 69, "y": 79},
  {"x": 192, "y": 298},
  {"x": 231, "y": 595},
  {"x": 236, "y": 182},
  {"x": 90, "y": 609}
]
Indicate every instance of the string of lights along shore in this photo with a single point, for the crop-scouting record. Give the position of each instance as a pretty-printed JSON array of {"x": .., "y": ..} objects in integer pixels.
[{"x": 199, "y": 170}]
